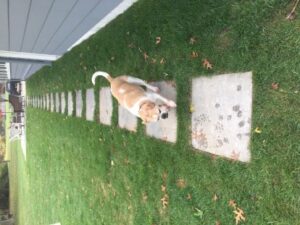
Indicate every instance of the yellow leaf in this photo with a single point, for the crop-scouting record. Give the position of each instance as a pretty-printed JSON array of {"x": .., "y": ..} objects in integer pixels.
[
  {"x": 257, "y": 130},
  {"x": 192, "y": 108},
  {"x": 192, "y": 40},
  {"x": 158, "y": 39},
  {"x": 232, "y": 203},
  {"x": 239, "y": 215},
  {"x": 215, "y": 198},
  {"x": 207, "y": 65}
]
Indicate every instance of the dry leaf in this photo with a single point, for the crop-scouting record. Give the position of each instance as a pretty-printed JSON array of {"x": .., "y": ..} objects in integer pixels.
[
  {"x": 192, "y": 108},
  {"x": 194, "y": 54},
  {"x": 232, "y": 203},
  {"x": 207, "y": 65},
  {"x": 193, "y": 40},
  {"x": 153, "y": 60},
  {"x": 275, "y": 86},
  {"x": 163, "y": 188},
  {"x": 145, "y": 56},
  {"x": 239, "y": 215},
  {"x": 189, "y": 196},
  {"x": 162, "y": 61},
  {"x": 164, "y": 176},
  {"x": 218, "y": 223},
  {"x": 181, "y": 183},
  {"x": 158, "y": 39},
  {"x": 165, "y": 201},
  {"x": 257, "y": 130},
  {"x": 215, "y": 198}
]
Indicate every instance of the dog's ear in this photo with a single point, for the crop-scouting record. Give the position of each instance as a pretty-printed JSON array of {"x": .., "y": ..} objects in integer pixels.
[{"x": 145, "y": 113}]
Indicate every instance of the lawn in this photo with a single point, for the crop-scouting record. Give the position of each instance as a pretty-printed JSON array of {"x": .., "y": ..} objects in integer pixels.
[{"x": 81, "y": 172}]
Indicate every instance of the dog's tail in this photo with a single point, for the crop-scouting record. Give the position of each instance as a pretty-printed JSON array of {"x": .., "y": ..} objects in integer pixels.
[{"x": 103, "y": 74}]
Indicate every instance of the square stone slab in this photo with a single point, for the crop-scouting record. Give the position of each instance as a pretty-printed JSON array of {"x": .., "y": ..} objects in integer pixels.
[
  {"x": 70, "y": 104},
  {"x": 47, "y": 102},
  {"x": 52, "y": 102},
  {"x": 63, "y": 102},
  {"x": 44, "y": 102},
  {"x": 90, "y": 104},
  {"x": 221, "y": 121},
  {"x": 105, "y": 106},
  {"x": 126, "y": 119},
  {"x": 57, "y": 103},
  {"x": 165, "y": 129},
  {"x": 78, "y": 103}
]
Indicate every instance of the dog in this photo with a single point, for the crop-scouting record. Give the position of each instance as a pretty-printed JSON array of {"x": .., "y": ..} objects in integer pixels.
[{"x": 132, "y": 96}]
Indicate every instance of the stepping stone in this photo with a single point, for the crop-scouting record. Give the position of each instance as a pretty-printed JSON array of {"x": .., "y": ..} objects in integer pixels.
[
  {"x": 105, "y": 105},
  {"x": 165, "y": 129},
  {"x": 221, "y": 121},
  {"x": 90, "y": 104},
  {"x": 126, "y": 119},
  {"x": 70, "y": 104},
  {"x": 57, "y": 103},
  {"x": 52, "y": 102},
  {"x": 78, "y": 103},
  {"x": 47, "y": 102},
  {"x": 63, "y": 103}
]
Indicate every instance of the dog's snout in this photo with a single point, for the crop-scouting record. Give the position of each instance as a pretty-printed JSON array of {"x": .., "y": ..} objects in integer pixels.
[{"x": 164, "y": 115}]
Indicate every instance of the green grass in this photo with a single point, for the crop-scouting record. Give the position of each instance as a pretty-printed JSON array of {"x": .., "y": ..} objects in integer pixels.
[{"x": 70, "y": 175}]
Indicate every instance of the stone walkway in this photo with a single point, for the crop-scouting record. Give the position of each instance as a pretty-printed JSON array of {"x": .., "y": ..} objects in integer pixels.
[{"x": 221, "y": 108}]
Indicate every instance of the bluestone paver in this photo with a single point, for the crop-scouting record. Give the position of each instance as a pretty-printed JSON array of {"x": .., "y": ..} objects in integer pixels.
[
  {"x": 79, "y": 103},
  {"x": 63, "y": 102},
  {"x": 90, "y": 104},
  {"x": 126, "y": 119},
  {"x": 105, "y": 105},
  {"x": 221, "y": 117},
  {"x": 165, "y": 129},
  {"x": 70, "y": 104},
  {"x": 57, "y": 103}
]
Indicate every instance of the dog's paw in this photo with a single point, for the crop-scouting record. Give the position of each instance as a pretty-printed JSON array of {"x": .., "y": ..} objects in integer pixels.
[{"x": 172, "y": 104}]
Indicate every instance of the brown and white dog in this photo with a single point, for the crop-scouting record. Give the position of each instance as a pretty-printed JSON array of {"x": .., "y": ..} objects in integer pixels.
[{"x": 142, "y": 103}]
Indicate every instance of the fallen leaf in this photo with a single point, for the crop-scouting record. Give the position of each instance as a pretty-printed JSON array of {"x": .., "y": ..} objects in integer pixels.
[
  {"x": 215, "y": 198},
  {"x": 164, "y": 176},
  {"x": 181, "y": 183},
  {"x": 239, "y": 215},
  {"x": 193, "y": 40},
  {"x": 165, "y": 201},
  {"x": 194, "y": 54},
  {"x": 162, "y": 61},
  {"x": 192, "y": 108},
  {"x": 232, "y": 203},
  {"x": 145, "y": 56},
  {"x": 158, "y": 39},
  {"x": 189, "y": 196},
  {"x": 218, "y": 223},
  {"x": 163, "y": 188},
  {"x": 257, "y": 130},
  {"x": 275, "y": 86},
  {"x": 198, "y": 213},
  {"x": 207, "y": 65},
  {"x": 153, "y": 60}
]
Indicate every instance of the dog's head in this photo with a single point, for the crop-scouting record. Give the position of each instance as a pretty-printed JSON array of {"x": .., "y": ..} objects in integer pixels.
[{"x": 151, "y": 112}]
